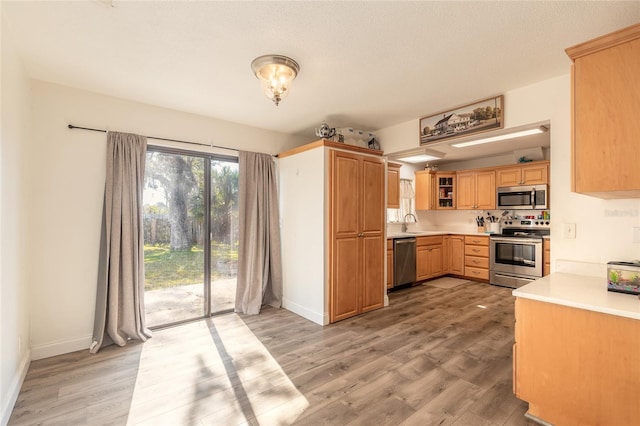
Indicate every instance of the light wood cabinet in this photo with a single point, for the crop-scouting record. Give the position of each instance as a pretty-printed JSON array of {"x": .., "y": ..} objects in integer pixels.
[
  {"x": 429, "y": 257},
  {"x": 357, "y": 234},
  {"x": 531, "y": 174},
  {"x": 445, "y": 190},
  {"x": 393, "y": 185},
  {"x": 453, "y": 249},
  {"x": 476, "y": 190},
  {"x": 476, "y": 257},
  {"x": 390, "y": 263},
  {"x": 575, "y": 366},
  {"x": 605, "y": 105},
  {"x": 425, "y": 190},
  {"x": 546, "y": 247},
  {"x": 332, "y": 196}
]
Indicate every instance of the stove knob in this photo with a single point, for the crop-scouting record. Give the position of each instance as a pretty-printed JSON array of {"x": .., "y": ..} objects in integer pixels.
[
  {"x": 538, "y": 223},
  {"x": 546, "y": 223}
]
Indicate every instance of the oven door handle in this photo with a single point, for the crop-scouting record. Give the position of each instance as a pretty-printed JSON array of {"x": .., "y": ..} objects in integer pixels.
[{"x": 531, "y": 241}]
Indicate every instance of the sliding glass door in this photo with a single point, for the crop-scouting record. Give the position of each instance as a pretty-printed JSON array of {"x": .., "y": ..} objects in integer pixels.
[
  {"x": 224, "y": 235},
  {"x": 190, "y": 235}
]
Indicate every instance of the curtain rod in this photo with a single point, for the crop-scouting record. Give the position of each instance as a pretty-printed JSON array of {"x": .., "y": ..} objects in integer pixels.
[{"x": 71, "y": 126}]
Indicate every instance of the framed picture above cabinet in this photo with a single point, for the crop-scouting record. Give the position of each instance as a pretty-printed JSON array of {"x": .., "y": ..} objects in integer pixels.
[{"x": 466, "y": 120}]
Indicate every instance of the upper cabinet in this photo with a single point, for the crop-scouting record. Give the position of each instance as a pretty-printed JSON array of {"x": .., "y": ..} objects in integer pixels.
[
  {"x": 425, "y": 190},
  {"x": 606, "y": 128},
  {"x": 530, "y": 174},
  {"x": 445, "y": 193},
  {"x": 476, "y": 190},
  {"x": 435, "y": 190},
  {"x": 393, "y": 185}
]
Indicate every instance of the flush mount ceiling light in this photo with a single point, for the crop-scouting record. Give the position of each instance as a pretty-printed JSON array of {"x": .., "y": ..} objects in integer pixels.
[
  {"x": 519, "y": 134},
  {"x": 275, "y": 72},
  {"x": 421, "y": 155}
]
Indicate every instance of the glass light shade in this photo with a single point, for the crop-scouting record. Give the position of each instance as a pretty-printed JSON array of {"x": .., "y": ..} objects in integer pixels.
[{"x": 275, "y": 73}]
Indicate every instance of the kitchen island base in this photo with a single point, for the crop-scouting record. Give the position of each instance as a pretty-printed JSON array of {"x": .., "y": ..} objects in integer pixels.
[{"x": 576, "y": 366}]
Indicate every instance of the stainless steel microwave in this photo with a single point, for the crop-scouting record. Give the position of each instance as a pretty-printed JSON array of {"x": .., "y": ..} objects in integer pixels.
[{"x": 525, "y": 197}]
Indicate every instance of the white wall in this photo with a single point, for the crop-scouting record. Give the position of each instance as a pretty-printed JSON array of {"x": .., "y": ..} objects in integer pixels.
[
  {"x": 66, "y": 172},
  {"x": 603, "y": 227},
  {"x": 14, "y": 311},
  {"x": 302, "y": 215}
]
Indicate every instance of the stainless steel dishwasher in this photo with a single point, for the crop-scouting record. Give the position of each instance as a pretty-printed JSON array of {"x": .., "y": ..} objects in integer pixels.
[{"x": 404, "y": 261}]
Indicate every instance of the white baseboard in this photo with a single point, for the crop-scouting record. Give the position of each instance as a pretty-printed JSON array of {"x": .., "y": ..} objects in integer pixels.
[
  {"x": 14, "y": 388},
  {"x": 60, "y": 347},
  {"x": 318, "y": 318}
]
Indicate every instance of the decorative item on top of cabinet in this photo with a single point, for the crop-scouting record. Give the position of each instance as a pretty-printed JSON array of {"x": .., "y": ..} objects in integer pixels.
[
  {"x": 445, "y": 182},
  {"x": 546, "y": 256},
  {"x": 536, "y": 173},
  {"x": 429, "y": 257},
  {"x": 476, "y": 189},
  {"x": 393, "y": 185},
  {"x": 476, "y": 257},
  {"x": 605, "y": 105},
  {"x": 357, "y": 241},
  {"x": 425, "y": 190}
]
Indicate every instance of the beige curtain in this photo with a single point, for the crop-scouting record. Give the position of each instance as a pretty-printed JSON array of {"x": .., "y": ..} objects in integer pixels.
[
  {"x": 120, "y": 296},
  {"x": 259, "y": 257}
]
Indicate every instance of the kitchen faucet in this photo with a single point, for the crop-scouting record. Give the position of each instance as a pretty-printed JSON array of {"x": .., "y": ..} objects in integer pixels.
[{"x": 404, "y": 221}]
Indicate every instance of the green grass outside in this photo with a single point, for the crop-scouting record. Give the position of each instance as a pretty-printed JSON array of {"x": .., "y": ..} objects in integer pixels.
[{"x": 166, "y": 268}]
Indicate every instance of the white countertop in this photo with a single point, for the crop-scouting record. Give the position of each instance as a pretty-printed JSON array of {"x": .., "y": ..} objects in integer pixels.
[
  {"x": 428, "y": 233},
  {"x": 583, "y": 292}
]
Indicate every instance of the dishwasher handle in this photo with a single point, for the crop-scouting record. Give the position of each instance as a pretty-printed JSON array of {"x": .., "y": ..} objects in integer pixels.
[{"x": 399, "y": 241}]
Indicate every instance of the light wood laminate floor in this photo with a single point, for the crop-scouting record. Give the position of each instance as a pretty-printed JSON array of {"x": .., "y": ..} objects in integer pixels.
[{"x": 433, "y": 357}]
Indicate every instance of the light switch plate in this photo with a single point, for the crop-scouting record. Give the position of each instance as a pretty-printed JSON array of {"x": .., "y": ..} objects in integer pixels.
[
  {"x": 636, "y": 234},
  {"x": 570, "y": 231}
]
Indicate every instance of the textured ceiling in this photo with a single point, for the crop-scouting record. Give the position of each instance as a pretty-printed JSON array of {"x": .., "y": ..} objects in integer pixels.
[{"x": 366, "y": 65}]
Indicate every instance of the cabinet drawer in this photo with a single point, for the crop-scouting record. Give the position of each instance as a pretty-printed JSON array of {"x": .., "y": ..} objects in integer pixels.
[
  {"x": 476, "y": 262},
  {"x": 476, "y": 241},
  {"x": 479, "y": 273},
  {"x": 429, "y": 241},
  {"x": 390, "y": 244},
  {"x": 481, "y": 251}
]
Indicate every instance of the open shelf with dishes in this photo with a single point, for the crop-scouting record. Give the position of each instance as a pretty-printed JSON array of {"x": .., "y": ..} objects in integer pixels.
[{"x": 445, "y": 189}]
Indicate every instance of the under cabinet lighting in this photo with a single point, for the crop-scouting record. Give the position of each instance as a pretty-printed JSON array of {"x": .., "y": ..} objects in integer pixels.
[
  {"x": 419, "y": 155},
  {"x": 535, "y": 131},
  {"x": 418, "y": 158}
]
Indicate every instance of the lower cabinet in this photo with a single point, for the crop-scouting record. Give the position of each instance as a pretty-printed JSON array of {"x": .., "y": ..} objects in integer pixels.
[
  {"x": 429, "y": 257},
  {"x": 476, "y": 257},
  {"x": 455, "y": 260},
  {"x": 389, "y": 263},
  {"x": 438, "y": 255},
  {"x": 576, "y": 366},
  {"x": 546, "y": 257}
]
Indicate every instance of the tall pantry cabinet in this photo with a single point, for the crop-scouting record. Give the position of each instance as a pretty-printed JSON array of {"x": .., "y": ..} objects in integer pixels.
[{"x": 332, "y": 203}]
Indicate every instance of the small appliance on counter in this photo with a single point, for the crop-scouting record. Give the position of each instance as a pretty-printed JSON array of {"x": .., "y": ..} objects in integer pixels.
[{"x": 624, "y": 277}]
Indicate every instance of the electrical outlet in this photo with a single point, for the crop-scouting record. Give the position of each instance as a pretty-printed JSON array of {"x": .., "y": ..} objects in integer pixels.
[
  {"x": 570, "y": 231},
  {"x": 636, "y": 234}
]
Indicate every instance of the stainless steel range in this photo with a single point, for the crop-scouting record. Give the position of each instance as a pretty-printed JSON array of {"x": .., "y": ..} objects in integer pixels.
[{"x": 516, "y": 254}]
